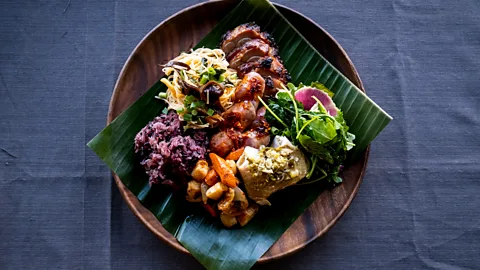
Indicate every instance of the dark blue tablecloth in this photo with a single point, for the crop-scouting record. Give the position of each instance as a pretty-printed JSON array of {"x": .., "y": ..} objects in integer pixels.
[{"x": 419, "y": 205}]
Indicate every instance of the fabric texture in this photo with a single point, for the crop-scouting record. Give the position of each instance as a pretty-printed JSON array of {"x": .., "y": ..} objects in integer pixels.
[{"x": 417, "y": 208}]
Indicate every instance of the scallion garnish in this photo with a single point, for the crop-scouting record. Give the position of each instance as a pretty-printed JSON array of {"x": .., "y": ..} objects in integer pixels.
[
  {"x": 187, "y": 117},
  {"x": 204, "y": 79}
]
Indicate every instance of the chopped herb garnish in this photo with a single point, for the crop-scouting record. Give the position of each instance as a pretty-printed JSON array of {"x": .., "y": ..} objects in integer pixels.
[
  {"x": 187, "y": 117},
  {"x": 189, "y": 99},
  {"x": 195, "y": 110},
  {"x": 211, "y": 71},
  {"x": 204, "y": 79}
]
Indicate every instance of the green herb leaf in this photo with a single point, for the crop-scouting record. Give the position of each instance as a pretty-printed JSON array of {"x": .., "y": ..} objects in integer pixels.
[
  {"x": 323, "y": 130},
  {"x": 337, "y": 179},
  {"x": 350, "y": 138},
  {"x": 314, "y": 147},
  {"x": 292, "y": 87}
]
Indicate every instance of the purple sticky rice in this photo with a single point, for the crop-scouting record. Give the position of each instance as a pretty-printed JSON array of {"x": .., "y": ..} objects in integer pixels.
[{"x": 168, "y": 154}]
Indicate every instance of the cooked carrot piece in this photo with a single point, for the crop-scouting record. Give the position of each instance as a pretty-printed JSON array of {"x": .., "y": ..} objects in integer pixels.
[
  {"x": 223, "y": 170},
  {"x": 211, "y": 178},
  {"x": 235, "y": 155}
]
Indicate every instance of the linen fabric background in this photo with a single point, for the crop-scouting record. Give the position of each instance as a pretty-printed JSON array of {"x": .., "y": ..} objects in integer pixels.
[{"x": 418, "y": 207}]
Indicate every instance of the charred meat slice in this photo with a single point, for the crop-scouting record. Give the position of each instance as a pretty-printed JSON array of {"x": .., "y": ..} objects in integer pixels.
[
  {"x": 272, "y": 70},
  {"x": 248, "y": 50},
  {"x": 242, "y": 34},
  {"x": 272, "y": 85},
  {"x": 251, "y": 51},
  {"x": 266, "y": 66}
]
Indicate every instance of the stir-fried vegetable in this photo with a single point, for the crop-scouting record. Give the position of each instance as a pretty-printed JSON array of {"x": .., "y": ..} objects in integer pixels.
[
  {"x": 228, "y": 220},
  {"x": 211, "y": 178},
  {"x": 223, "y": 170},
  {"x": 200, "y": 170},
  {"x": 216, "y": 191},
  {"x": 235, "y": 155},
  {"x": 322, "y": 136}
]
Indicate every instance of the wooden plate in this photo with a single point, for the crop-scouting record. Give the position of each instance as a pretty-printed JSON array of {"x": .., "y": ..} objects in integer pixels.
[{"x": 181, "y": 32}]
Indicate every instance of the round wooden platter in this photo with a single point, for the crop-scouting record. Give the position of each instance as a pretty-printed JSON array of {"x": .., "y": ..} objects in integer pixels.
[{"x": 181, "y": 32}]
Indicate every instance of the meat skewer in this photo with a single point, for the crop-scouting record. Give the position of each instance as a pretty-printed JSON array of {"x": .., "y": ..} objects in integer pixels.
[
  {"x": 241, "y": 116},
  {"x": 255, "y": 57}
]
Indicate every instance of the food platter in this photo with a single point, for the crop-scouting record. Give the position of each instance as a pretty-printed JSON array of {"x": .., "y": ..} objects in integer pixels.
[{"x": 179, "y": 33}]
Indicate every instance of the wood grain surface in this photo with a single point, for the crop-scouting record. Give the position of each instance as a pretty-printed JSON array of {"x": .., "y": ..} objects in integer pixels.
[{"x": 182, "y": 31}]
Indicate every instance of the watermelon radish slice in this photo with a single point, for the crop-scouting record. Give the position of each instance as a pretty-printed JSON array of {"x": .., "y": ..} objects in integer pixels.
[{"x": 305, "y": 94}]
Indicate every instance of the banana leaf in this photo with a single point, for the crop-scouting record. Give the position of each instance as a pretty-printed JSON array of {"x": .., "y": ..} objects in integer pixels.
[{"x": 204, "y": 237}]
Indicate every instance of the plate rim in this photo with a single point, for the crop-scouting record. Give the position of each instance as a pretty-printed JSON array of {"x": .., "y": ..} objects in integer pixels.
[{"x": 137, "y": 207}]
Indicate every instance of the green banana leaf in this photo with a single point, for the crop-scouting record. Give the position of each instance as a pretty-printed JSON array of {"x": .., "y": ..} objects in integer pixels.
[{"x": 204, "y": 237}]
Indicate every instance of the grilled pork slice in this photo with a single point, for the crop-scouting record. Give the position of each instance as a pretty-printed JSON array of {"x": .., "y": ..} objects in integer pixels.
[
  {"x": 251, "y": 51},
  {"x": 266, "y": 66},
  {"x": 241, "y": 35},
  {"x": 248, "y": 49},
  {"x": 271, "y": 69}
]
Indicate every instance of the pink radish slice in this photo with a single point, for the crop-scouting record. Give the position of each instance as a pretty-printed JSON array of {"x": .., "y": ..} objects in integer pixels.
[{"x": 304, "y": 95}]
